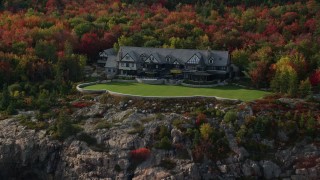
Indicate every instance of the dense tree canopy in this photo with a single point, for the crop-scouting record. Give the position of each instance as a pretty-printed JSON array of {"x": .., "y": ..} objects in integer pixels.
[{"x": 257, "y": 34}]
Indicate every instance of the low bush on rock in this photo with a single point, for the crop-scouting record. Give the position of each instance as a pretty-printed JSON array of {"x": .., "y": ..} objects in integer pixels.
[
  {"x": 137, "y": 129},
  {"x": 36, "y": 125},
  {"x": 64, "y": 128},
  {"x": 137, "y": 156},
  {"x": 164, "y": 143},
  {"x": 168, "y": 164},
  {"x": 103, "y": 125},
  {"x": 87, "y": 138},
  {"x": 81, "y": 104},
  {"x": 230, "y": 117}
]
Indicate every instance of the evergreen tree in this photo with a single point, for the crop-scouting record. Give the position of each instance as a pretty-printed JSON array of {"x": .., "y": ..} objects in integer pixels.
[
  {"x": 206, "y": 131},
  {"x": 293, "y": 83},
  {"x": 11, "y": 109},
  {"x": 5, "y": 98},
  {"x": 305, "y": 88},
  {"x": 196, "y": 139},
  {"x": 64, "y": 127}
]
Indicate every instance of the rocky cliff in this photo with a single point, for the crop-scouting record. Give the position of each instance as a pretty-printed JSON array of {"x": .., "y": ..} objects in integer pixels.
[{"x": 118, "y": 127}]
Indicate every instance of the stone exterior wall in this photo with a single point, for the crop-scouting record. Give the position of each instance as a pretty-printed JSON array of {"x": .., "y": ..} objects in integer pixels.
[
  {"x": 203, "y": 86},
  {"x": 122, "y": 80},
  {"x": 150, "y": 81}
]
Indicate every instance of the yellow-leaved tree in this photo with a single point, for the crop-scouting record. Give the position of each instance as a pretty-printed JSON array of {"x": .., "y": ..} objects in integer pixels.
[{"x": 285, "y": 79}]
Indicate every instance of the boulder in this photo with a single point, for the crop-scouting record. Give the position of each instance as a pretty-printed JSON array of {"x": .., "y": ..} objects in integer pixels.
[
  {"x": 251, "y": 168},
  {"x": 176, "y": 136},
  {"x": 270, "y": 169},
  {"x": 223, "y": 168}
]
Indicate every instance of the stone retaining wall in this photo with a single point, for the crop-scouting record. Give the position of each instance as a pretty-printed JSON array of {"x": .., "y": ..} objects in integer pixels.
[{"x": 87, "y": 91}]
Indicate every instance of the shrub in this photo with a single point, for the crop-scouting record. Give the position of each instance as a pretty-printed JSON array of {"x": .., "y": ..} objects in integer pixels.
[
  {"x": 165, "y": 144},
  {"x": 87, "y": 138},
  {"x": 146, "y": 120},
  {"x": 315, "y": 78},
  {"x": 206, "y": 130},
  {"x": 81, "y": 104},
  {"x": 104, "y": 98},
  {"x": 219, "y": 113},
  {"x": 241, "y": 133},
  {"x": 160, "y": 116},
  {"x": 168, "y": 164},
  {"x": 230, "y": 117},
  {"x": 26, "y": 121},
  {"x": 181, "y": 151},
  {"x": 103, "y": 125},
  {"x": 64, "y": 127},
  {"x": 117, "y": 168},
  {"x": 13, "y": 88},
  {"x": 256, "y": 147},
  {"x": 164, "y": 132},
  {"x": 138, "y": 128},
  {"x": 139, "y": 155},
  {"x": 201, "y": 118},
  {"x": 43, "y": 102},
  {"x": 305, "y": 88},
  {"x": 198, "y": 153},
  {"x": 5, "y": 98},
  {"x": 263, "y": 126},
  {"x": 177, "y": 123},
  {"x": 11, "y": 109},
  {"x": 219, "y": 149},
  {"x": 310, "y": 124},
  {"x": 196, "y": 139}
]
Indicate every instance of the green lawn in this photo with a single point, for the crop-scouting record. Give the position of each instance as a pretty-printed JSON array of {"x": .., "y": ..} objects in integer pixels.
[{"x": 233, "y": 92}]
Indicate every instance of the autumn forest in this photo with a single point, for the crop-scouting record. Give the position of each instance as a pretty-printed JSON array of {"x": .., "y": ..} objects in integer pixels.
[{"x": 274, "y": 43}]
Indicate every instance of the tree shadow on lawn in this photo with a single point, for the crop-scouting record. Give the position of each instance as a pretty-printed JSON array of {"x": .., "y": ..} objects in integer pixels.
[
  {"x": 231, "y": 87},
  {"x": 123, "y": 84},
  {"x": 228, "y": 87}
]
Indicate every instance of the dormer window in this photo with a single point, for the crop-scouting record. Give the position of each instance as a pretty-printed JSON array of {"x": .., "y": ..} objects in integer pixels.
[
  {"x": 168, "y": 58},
  {"x": 211, "y": 60},
  {"x": 143, "y": 57}
]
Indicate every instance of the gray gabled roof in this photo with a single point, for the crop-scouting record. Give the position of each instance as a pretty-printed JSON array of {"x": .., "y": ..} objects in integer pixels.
[
  {"x": 111, "y": 62},
  {"x": 182, "y": 55},
  {"x": 219, "y": 58},
  {"x": 134, "y": 55},
  {"x": 108, "y": 52},
  {"x": 158, "y": 57}
]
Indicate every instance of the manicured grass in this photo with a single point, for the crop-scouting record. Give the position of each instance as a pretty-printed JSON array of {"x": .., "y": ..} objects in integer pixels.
[{"x": 229, "y": 91}]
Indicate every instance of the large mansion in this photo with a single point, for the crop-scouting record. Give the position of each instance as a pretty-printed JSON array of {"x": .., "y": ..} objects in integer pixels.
[{"x": 191, "y": 64}]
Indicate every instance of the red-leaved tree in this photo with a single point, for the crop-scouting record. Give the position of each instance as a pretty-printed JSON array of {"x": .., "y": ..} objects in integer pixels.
[
  {"x": 201, "y": 118},
  {"x": 315, "y": 78},
  {"x": 90, "y": 44}
]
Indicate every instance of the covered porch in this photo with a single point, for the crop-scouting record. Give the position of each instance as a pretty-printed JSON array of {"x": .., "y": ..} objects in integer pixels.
[{"x": 198, "y": 76}]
